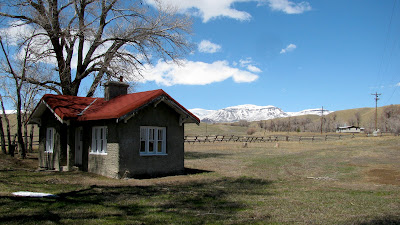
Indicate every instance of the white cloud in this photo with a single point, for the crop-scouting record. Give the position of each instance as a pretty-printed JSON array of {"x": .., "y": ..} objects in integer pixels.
[
  {"x": 212, "y": 9},
  {"x": 248, "y": 64},
  {"x": 208, "y": 47},
  {"x": 289, "y": 7},
  {"x": 208, "y": 9},
  {"x": 288, "y": 48},
  {"x": 398, "y": 84},
  {"x": 17, "y": 32},
  {"x": 245, "y": 62},
  {"x": 254, "y": 69},
  {"x": 195, "y": 73}
]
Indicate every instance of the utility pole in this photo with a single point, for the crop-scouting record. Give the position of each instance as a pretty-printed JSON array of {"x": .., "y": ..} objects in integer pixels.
[
  {"x": 322, "y": 114},
  {"x": 376, "y": 110}
]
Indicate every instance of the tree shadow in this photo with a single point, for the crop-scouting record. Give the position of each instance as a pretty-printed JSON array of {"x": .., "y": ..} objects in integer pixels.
[
  {"x": 202, "y": 155},
  {"x": 186, "y": 171},
  {"x": 384, "y": 220},
  {"x": 199, "y": 202}
]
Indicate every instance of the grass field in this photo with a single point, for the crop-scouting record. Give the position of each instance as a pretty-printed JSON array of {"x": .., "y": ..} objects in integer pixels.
[{"x": 352, "y": 181}]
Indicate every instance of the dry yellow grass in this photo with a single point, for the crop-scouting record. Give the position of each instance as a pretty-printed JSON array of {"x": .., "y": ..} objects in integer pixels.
[{"x": 351, "y": 181}]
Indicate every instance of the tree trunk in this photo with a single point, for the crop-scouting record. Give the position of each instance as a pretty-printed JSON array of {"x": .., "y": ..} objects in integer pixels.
[
  {"x": 2, "y": 137},
  {"x": 26, "y": 136},
  {"x": 7, "y": 125},
  {"x": 21, "y": 145},
  {"x": 31, "y": 139},
  {"x": 11, "y": 147}
]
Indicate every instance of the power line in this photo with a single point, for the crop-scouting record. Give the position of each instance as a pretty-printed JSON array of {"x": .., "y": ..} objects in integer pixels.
[
  {"x": 379, "y": 81},
  {"x": 322, "y": 115},
  {"x": 376, "y": 110}
]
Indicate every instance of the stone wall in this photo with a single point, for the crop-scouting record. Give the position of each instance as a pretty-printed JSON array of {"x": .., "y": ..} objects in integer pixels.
[
  {"x": 104, "y": 164},
  {"x": 57, "y": 159},
  {"x": 132, "y": 163}
]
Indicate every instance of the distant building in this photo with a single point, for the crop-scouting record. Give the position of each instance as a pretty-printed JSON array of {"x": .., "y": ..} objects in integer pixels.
[{"x": 350, "y": 129}]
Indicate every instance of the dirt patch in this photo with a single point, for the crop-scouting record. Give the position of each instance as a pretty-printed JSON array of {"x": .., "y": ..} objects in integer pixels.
[
  {"x": 11, "y": 163},
  {"x": 384, "y": 176}
]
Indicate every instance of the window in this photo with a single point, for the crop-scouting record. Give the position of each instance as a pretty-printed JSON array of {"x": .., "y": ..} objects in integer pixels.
[
  {"x": 99, "y": 140},
  {"x": 153, "y": 141},
  {"x": 50, "y": 139}
]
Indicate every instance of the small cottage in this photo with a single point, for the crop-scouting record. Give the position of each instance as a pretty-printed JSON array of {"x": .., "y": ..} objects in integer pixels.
[
  {"x": 120, "y": 135},
  {"x": 349, "y": 129}
]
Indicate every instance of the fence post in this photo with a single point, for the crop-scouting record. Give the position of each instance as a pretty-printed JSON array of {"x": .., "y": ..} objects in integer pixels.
[{"x": 11, "y": 149}]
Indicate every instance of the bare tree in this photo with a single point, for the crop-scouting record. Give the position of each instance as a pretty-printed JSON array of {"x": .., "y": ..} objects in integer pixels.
[
  {"x": 8, "y": 131},
  {"x": 18, "y": 69},
  {"x": 390, "y": 119},
  {"x": 18, "y": 84},
  {"x": 2, "y": 137},
  {"x": 100, "y": 39},
  {"x": 352, "y": 121},
  {"x": 357, "y": 117}
]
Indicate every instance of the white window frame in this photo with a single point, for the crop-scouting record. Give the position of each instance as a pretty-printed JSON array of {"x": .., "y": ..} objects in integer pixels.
[
  {"x": 99, "y": 140},
  {"x": 50, "y": 139},
  {"x": 153, "y": 141}
]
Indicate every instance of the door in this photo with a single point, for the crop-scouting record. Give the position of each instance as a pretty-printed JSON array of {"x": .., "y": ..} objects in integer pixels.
[{"x": 78, "y": 145}]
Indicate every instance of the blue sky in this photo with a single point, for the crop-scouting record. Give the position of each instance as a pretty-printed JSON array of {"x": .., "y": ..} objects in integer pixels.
[{"x": 291, "y": 54}]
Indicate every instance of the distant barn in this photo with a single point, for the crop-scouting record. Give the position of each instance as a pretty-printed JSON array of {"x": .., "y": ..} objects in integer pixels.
[{"x": 350, "y": 129}]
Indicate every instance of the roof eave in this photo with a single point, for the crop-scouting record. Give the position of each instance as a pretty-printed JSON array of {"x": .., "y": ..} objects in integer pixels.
[
  {"x": 36, "y": 115},
  {"x": 185, "y": 117}
]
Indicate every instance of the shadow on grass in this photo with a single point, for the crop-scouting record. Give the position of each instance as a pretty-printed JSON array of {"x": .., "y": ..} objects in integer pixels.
[
  {"x": 187, "y": 171},
  {"x": 199, "y": 202},
  {"x": 382, "y": 220},
  {"x": 202, "y": 155}
]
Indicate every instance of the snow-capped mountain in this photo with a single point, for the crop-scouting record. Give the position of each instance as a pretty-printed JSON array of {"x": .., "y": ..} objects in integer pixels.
[
  {"x": 9, "y": 111},
  {"x": 249, "y": 113},
  {"x": 201, "y": 113},
  {"x": 309, "y": 112},
  {"x": 241, "y": 112}
]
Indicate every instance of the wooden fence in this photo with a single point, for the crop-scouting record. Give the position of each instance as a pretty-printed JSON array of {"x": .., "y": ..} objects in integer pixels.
[{"x": 273, "y": 138}]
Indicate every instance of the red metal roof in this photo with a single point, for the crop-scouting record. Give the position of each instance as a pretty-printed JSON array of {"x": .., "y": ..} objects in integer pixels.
[{"x": 85, "y": 108}]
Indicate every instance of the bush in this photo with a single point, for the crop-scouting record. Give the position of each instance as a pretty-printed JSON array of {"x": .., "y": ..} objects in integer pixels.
[{"x": 251, "y": 131}]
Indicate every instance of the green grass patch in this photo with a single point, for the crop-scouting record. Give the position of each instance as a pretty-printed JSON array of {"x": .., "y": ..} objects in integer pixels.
[{"x": 353, "y": 181}]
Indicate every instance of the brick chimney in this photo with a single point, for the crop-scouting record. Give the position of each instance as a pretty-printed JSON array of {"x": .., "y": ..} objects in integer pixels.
[{"x": 113, "y": 89}]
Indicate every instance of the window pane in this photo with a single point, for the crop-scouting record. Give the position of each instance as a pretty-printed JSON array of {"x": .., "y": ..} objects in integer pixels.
[
  {"x": 160, "y": 134},
  {"x": 159, "y": 147},
  {"x": 143, "y": 134},
  {"x": 151, "y": 134},
  {"x": 142, "y": 146},
  {"x": 151, "y": 146},
  {"x": 49, "y": 139}
]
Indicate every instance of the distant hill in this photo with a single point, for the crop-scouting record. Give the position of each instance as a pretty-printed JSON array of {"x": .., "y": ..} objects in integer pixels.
[
  {"x": 249, "y": 113},
  {"x": 363, "y": 117},
  {"x": 13, "y": 123}
]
